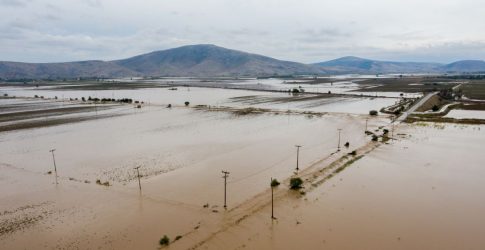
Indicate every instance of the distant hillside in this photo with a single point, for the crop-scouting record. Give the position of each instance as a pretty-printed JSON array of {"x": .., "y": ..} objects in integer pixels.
[
  {"x": 211, "y": 60},
  {"x": 465, "y": 66},
  {"x": 352, "y": 64},
  {"x": 17, "y": 70}
]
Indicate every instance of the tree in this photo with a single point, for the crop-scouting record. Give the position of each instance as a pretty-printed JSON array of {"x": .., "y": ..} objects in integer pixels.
[
  {"x": 164, "y": 241},
  {"x": 295, "y": 183},
  {"x": 275, "y": 183}
]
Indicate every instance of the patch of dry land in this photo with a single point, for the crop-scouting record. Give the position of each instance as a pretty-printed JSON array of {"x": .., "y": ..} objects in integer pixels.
[{"x": 419, "y": 191}]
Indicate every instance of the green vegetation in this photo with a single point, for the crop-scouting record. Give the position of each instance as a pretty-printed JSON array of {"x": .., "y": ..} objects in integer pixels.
[
  {"x": 295, "y": 183},
  {"x": 275, "y": 183},
  {"x": 373, "y": 112},
  {"x": 187, "y": 103},
  {"x": 164, "y": 241}
]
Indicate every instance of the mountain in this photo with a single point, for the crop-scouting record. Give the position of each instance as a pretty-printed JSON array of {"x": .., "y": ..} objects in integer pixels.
[
  {"x": 211, "y": 60},
  {"x": 465, "y": 66},
  {"x": 194, "y": 60},
  {"x": 352, "y": 64},
  {"x": 17, "y": 70}
]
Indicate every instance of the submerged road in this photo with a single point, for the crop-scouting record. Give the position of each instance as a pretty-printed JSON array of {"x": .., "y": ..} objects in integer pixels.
[{"x": 423, "y": 100}]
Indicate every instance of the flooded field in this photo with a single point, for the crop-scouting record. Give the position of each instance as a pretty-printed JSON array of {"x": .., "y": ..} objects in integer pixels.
[
  {"x": 180, "y": 152},
  {"x": 86, "y": 194},
  {"x": 217, "y": 97},
  {"x": 466, "y": 114},
  {"x": 386, "y": 200}
]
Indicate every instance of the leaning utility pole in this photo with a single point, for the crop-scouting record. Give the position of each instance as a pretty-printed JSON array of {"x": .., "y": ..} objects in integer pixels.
[
  {"x": 138, "y": 175},
  {"x": 54, "y": 160},
  {"x": 297, "y": 155},
  {"x": 338, "y": 147},
  {"x": 226, "y": 174}
]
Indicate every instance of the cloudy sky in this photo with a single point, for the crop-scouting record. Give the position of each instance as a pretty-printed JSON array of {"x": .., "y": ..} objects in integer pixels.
[{"x": 298, "y": 30}]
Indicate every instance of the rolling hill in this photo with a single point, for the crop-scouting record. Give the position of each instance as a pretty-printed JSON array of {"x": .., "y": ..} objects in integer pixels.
[
  {"x": 209, "y": 60},
  {"x": 352, "y": 64}
]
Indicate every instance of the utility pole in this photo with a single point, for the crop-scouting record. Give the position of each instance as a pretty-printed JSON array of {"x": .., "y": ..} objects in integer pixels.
[
  {"x": 392, "y": 130},
  {"x": 226, "y": 174},
  {"x": 366, "y": 120},
  {"x": 297, "y": 156},
  {"x": 138, "y": 175},
  {"x": 338, "y": 147},
  {"x": 54, "y": 160},
  {"x": 271, "y": 185}
]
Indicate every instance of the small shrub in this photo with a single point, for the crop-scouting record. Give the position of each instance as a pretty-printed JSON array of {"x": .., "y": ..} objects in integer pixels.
[
  {"x": 169, "y": 105},
  {"x": 295, "y": 90},
  {"x": 275, "y": 183},
  {"x": 178, "y": 237},
  {"x": 347, "y": 144},
  {"x": 375, "y": 138},
  {"x": 295, "y": 183},
  {"x": 386, "y": 131},
  {"x": 164, "y": 241},
  {"x": 5, "y": 95},
  {"x": 353, "y": 153},
  {"x": 187, "y": 103},
  {"x": 435, "y": 108},
  {"x": 36, "y": 96},
  {"x": 373, "y": 112}
]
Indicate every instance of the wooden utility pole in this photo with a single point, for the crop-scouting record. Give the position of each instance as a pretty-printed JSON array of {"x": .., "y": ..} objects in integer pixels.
[
  {"x": 338, "y": 147},
  {"x": 392, "y": 130},
  {"x": 54, "y": 160},
  {"x": 138, "y": 175},
  {"x": 226, "y": 174},
  {"x": 272, "y": 202},
  {"x": 297, "y": 156}
]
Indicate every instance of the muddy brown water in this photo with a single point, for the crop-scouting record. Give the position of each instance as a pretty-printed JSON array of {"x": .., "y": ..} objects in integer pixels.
[{"x": 181, "y": 152}]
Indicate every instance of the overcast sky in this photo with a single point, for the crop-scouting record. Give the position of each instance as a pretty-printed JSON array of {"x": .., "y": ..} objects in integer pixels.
[{"x": 298, "y": 30}]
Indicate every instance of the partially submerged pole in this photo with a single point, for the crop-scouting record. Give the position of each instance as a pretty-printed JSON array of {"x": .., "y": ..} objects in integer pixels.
[
  {"x": 54, "y": 160},
  {"x": 272, "y": 198},
  {"x": 226, "y": 174},
  {"x": 138, "y": 175},
  {"x": 338, "y": 146},
  {"x": 297, "y": 156}
]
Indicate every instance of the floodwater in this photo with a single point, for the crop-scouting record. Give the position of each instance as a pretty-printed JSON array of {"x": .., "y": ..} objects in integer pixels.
[
  {"x": 466, "y": 114},
  {"x": 214, "y": 97},
  {"x": 424, "y": 191},
  {"x": 181, "y": 152}
]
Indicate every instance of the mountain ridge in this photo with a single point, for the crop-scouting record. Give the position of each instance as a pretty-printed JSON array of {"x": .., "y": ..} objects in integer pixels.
[{"x": 205, "y": 60}]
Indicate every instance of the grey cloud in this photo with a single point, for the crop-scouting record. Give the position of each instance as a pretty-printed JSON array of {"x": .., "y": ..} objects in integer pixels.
[{"x": 14, "y": 3}]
